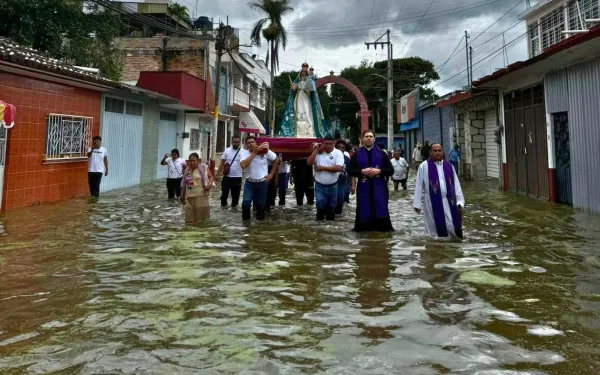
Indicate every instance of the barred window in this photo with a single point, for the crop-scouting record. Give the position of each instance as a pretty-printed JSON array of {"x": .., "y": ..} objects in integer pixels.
[
  {"x": 534, "y": 39},
  {"x": 589, "y": 9},
  {"x": 67, "y": 136},
  {"x": 552, "y": 25},
  {"x": 168, "y": 116},
  {"x": 134, "y": 109},
  {"x": 194, "y": 139}
]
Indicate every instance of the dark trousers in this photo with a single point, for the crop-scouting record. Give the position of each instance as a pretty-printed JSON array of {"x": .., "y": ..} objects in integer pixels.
[
  {"x": 455, "y": 165},
  {"x": 94, "y": 179},
  {"x": 233, "y": 184},
  {"x": 174, "y": 187},
  {"x": 400, "y": 182},
  {"x": 327, "y": 197},
  {"x": 341, "y": 194},
  {"x": 283, "y": 186},
  {"x": 254, "y": 192},
  {"x": 301, "y": 191}
]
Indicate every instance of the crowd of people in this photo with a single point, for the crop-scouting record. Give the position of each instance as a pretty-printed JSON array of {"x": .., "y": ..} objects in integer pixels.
[{"x": 332, "y": 172}]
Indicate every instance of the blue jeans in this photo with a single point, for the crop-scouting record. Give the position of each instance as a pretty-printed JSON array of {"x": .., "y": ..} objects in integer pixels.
[
  {"x": 326, "y": 197},
  {"x": 254, "y": 192},
  {"x": 455, "y": 165},
  {"x": 341, "y": 193}
]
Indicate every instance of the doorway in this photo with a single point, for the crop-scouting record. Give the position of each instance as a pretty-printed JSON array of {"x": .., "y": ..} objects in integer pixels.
[{"x": 562, "y": 152}]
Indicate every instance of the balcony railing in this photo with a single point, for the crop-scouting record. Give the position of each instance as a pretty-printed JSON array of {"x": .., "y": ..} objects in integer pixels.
[{"x": 240, "y": 100}]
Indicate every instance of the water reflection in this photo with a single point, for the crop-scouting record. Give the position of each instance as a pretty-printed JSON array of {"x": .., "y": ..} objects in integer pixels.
[{"x": 124, "y": 286}]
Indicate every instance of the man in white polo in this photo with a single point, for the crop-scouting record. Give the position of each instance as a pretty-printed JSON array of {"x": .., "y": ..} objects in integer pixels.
[
  {"x": 255, "y": 161},
  {"x": 328, "y": 162}
]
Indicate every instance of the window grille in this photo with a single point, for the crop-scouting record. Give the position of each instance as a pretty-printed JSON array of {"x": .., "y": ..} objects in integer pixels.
[
  {"x": 194, "y": 139},
  {"x": 552, "y": 25},
  {"x": 589, "y": 9},
  {"x": 534, "y": 39},
  {"x": 114, "y": 105},
  {"x": 134, "y": 109},
  {"x": 68, "y": 136}
]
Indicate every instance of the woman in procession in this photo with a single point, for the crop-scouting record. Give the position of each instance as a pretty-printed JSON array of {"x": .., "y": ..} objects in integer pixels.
[{"x": 195, "y": 186}]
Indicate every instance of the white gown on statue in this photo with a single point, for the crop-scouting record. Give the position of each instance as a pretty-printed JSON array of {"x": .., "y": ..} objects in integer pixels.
[
  {"x": 422, "y": 196},
  {"x": 304, "y": 116}
]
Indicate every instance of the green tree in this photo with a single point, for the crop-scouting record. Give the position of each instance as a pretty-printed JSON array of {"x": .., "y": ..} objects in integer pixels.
[
  {"x": 179, "y": 13},
  {"x": 270, "y": 28},
  {"x": 409, "y": 73},
  {"x": 62, "y": 30}
]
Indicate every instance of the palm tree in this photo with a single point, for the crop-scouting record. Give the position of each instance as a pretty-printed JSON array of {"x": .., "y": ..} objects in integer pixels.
[
  {"x": 271, "y": 29},
  {"x": 179, "y": 13}
]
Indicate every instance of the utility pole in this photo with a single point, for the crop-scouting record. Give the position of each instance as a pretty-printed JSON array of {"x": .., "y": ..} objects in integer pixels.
[
  {"x": 223, "y": 32},
  {"x": 505, "y": 53},
  {"x": 471, "y": 65},
  {"x": 390, "y": 86},
  {"x": 467, "y": 52}
]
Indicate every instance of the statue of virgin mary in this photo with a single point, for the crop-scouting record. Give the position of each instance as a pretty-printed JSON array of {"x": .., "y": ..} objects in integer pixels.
[{"x": 303, "y": 117}]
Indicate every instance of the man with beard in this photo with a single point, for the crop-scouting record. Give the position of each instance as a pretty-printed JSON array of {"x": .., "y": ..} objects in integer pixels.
[{"x": 232, "y": 173}]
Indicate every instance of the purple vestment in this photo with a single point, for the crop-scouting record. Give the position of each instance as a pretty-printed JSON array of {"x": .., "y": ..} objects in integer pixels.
[
  {"x": 437, "y": 203},
  {"x": 372, "y": 193}
]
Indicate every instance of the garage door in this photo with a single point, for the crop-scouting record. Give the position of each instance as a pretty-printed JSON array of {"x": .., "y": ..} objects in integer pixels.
[
  {"x": 122, "y": 138},
  {"x": 491, "y": 146},
  {"x": 167, "y": 140}
]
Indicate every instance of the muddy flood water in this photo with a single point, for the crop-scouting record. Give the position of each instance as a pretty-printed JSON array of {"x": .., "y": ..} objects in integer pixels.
[{"x": 123, "y": 286}]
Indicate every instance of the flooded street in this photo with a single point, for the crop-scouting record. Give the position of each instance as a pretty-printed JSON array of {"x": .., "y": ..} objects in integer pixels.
[{"x": 122, "y": 286}]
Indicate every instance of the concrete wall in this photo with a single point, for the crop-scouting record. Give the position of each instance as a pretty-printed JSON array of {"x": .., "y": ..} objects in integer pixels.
[{"x": 146, "y": 54}]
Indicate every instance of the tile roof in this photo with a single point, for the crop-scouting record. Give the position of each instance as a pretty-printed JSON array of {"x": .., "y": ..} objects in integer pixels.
[{"x": 13, "y": 52}]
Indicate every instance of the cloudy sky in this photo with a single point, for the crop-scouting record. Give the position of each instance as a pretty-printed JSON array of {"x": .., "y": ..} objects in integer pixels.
[{"x": 330, "y": 35}]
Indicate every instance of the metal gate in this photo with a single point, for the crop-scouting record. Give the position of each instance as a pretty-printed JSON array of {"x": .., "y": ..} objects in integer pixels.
[
  {"x": 526, "y": 145},
  {"x": 3, "y": 141},
  {"x": 493, "y": 170},
  {"x": 167, "y": 140},
  {"x": 122, "y": 138},
  {"x": 562, "y": 149}
]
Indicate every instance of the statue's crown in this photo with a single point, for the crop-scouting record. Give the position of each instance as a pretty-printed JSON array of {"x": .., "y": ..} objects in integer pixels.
[{"x": 305, "y": 65}]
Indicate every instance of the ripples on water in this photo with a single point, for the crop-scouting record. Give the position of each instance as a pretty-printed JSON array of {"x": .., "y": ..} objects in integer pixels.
[{"x": 123, "y": 287}]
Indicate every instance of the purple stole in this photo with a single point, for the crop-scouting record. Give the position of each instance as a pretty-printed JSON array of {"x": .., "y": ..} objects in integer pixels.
[
  {"x": 367, "y": 211},
  {"x": 437, "y": 204}
]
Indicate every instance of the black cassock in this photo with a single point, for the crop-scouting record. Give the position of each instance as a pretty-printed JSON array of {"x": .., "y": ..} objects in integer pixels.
[{"x": 376, "y": 224}]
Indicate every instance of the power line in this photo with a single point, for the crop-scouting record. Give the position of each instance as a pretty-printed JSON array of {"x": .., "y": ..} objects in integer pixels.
[
  {"x": 415, "y": 29},
  {"x": 452, "y": 54},
  {"x": 510, "y": 10},
  {"x": 370, "y": 18}
]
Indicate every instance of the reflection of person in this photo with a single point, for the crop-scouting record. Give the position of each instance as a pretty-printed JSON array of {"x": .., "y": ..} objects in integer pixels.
[
  {"x": 303, "y": 117},
  {"x": 254, "y": 161},
  {"x": 195, "y": 185},
  {"x": 175, "y": 167},
  {"x": 438, "y": 187},
  {"x": 400, "y": 170},
  {"x": 370, "y": 165},
  {"x": 97, "y": 165},
  {"x": 372, "y": 274},
  {"x": 232, "y": 173}
]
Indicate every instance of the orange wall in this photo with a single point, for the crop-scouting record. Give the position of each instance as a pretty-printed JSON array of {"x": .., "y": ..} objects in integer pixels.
[{"x": 26, "y": 178}]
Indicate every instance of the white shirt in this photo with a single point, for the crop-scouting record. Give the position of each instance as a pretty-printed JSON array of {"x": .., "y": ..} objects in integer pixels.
[
  {"x": 235, "y": 170},
  {"x": 284, "y": 166},
  {"x": 175, "y": 167},
  {"x": 422, "y": 196},
  {"x": 258, "y": 168},
  {"x": 400, "y": 166},
  {"x": 96, "y": 160},
  {"x": 335, "y": 158},
  {"x": 416, "y": 154}
]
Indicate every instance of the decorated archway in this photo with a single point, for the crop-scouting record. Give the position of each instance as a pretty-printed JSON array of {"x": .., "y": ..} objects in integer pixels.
[{"x": 364, "y": 112}]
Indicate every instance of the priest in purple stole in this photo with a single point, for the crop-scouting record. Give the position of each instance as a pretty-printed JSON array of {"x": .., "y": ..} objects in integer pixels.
[
  {"x": 371, "y": 166},
  {"x": 439, "y": 196}
]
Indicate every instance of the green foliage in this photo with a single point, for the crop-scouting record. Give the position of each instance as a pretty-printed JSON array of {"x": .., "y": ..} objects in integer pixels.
[
  {"x": 179, "y": 13},
  {"x": 62, "y": 30},
  {"x": 271, "y": 27}
]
